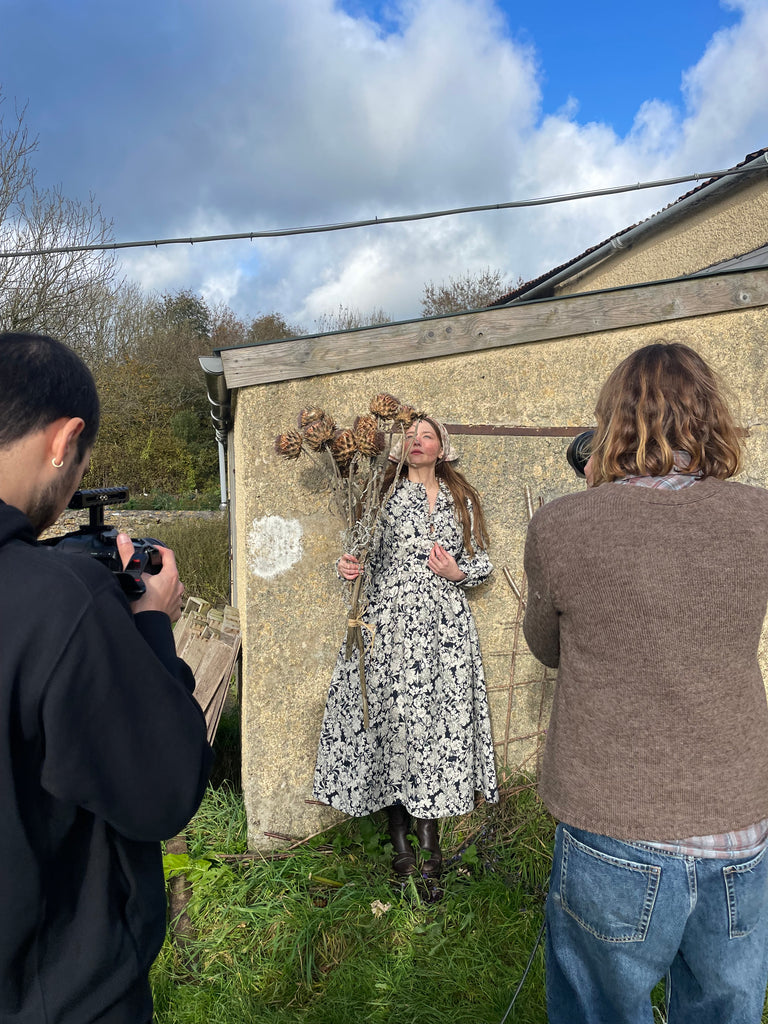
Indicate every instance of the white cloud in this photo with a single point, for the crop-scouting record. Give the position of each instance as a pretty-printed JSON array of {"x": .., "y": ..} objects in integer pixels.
[
  {"x": 726, "y": 92},
  {"x": 248, "y": 116},
  {"x": 445, "y": 112}
]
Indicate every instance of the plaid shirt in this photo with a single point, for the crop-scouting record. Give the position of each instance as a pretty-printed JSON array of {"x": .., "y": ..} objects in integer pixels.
[{"x": 743, "y": 842}]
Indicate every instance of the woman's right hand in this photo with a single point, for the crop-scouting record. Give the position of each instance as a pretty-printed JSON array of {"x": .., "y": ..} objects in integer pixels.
[{"x": 349, "y": 567}]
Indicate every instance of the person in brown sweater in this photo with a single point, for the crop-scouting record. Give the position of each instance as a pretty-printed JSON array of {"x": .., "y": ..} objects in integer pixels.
[{"x": 648, "y": 593}]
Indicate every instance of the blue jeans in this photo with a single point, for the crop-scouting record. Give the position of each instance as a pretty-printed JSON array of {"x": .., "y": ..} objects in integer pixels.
[{"x": 622, "y": 916}]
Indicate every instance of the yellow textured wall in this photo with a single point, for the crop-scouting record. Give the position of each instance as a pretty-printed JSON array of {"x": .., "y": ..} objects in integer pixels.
[
  {"x": 734, "y": 226},
  {"x": 291, "y": 603}
]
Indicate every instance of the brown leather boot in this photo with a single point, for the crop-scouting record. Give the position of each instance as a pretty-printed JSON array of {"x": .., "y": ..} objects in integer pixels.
[
  {"x": 404, "y": 861},
  {"x": 427, "y": 834}
]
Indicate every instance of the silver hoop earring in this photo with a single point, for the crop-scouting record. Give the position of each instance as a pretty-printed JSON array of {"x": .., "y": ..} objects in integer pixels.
[{"x": 57, "y": 465}]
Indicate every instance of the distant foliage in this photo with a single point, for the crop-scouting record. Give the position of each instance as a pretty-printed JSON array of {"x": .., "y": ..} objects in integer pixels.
[
  {"x": 346, "y": 319},
  {"x": 156, "y": 431},
  {"x": 183, "y": 311},
  {"x": 270, "y": 327},
  {"x": 471, "y": 291}
]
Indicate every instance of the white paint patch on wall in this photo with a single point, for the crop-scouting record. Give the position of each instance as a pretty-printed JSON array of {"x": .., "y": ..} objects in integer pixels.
[{"x": 274, "y": 545}]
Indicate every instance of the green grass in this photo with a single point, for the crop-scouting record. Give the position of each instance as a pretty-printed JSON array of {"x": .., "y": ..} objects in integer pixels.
[
  {"x": 201, "y": 547},
  {"x": 323, "y": 934},
  {"x": 162, "y": 501},
  {"x": 298, "y": 937}
]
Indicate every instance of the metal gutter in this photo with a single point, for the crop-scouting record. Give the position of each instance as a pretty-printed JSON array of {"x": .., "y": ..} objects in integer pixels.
[
  {"x": 626, "y": 239},
  {"x": 220, "y": 399}
]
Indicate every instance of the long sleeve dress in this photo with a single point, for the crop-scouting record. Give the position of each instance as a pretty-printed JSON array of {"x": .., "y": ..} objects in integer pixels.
[{"x": 429, "y": 743}]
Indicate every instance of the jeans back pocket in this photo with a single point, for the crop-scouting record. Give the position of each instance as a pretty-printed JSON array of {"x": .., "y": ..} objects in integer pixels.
[{"x": 611, "y": 898}]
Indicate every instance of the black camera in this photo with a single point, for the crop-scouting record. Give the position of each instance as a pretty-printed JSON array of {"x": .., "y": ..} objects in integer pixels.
[
  {"x": 579, "y": 451},
  {"x": 100, "y": 542}
]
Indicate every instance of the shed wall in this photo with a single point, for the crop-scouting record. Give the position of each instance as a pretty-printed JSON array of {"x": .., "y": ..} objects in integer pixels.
[{"x": 292, "y": 607}]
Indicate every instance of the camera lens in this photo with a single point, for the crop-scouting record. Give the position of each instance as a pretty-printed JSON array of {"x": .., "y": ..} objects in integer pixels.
[{"x": 579, "y": 451}]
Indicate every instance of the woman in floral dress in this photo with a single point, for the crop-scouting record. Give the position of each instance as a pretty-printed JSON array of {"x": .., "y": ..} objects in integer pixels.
[{"x": 428, "y": 747}]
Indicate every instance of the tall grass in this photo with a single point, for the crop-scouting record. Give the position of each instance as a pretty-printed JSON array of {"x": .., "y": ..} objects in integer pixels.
[
  {"x": 324, "y": 934},
  {"x": 201, "y": 547},
  {"x": 162, "y": 501}
]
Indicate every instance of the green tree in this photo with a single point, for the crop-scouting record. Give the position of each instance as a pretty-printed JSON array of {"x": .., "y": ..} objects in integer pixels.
[
  {"x": 156, "y": 431},
  {"x": 226, "y": 329},
  {"x": 270, "y": 327},
  {"x": 185, "y": 312},
  {"x": 137, "y": 446}
]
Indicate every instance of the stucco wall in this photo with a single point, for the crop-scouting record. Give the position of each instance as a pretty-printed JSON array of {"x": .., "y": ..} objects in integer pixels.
[
  {"x": 738, "y": 224},
  {"x": 291, "y": 604}
]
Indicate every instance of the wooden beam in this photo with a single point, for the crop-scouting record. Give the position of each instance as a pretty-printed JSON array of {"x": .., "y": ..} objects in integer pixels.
[
  {"x": 541, "y": 320},
  {"x": 494, "y": 430}
]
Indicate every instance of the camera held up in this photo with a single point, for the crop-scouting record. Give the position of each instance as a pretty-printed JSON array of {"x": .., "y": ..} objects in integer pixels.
[
  {"x": 100, "y": 541},
  {"x": 579, "y": 451}
]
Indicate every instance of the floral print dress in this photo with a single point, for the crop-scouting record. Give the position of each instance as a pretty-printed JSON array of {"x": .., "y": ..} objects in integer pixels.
[{"x": 429, "y": 743}]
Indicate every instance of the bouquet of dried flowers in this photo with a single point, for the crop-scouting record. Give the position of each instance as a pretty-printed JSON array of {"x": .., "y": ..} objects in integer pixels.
[{"x": 354, "y": 460}]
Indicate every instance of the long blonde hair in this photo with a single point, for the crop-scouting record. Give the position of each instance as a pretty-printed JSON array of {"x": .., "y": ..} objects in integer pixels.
[
  {"x": 462, "y": 492},
  {"x": 660, "y": 400}
]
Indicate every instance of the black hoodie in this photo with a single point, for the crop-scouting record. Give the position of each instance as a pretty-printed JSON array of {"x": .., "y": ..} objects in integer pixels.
[{"x": 103, "y": 753}]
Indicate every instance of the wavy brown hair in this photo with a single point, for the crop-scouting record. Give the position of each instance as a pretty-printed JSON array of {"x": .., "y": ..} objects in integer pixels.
[
  {"x": 473, "y": 527},
  {"x": 660, "y": 400}
]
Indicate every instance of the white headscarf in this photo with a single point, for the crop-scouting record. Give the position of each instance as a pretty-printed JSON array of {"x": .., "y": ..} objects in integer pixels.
[{"x": 449, "y": 455}]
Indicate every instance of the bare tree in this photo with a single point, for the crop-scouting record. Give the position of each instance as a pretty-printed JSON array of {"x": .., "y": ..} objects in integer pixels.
[
  {"x": 66, "y": 294},
  {"x": 348, "y": 319},
  {"x": 471, "y": 291}
]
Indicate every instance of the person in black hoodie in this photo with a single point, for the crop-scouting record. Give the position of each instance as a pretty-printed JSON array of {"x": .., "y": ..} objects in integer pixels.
[{"x": 103, "y": 750}]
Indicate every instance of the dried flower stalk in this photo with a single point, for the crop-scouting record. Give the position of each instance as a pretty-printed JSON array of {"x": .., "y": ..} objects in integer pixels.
[{"x": 354, "y": 462}]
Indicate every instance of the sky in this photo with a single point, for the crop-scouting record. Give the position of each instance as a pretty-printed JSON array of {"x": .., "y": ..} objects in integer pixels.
[{"x": 199, "y": 117}]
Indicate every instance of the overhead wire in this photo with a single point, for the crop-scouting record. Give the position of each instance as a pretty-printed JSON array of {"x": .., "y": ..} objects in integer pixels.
[{"x": 376, "y": 221}]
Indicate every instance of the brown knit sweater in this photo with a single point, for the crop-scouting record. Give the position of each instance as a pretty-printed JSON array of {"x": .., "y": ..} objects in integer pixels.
[{"x": 652, "y": 603}]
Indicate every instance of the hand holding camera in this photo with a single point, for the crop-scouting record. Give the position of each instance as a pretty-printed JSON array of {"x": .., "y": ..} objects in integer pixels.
[
  {"x": 144, "y": 568},
  {"x": 163, "y": 590}
]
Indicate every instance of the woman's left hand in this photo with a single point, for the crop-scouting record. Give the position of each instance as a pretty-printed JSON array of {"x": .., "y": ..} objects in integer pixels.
[{"x": 442, "y": 563}]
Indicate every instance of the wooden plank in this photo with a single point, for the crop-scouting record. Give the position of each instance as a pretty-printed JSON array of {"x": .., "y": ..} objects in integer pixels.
[
  {"x": 230, "y": 621},
  {"x": 210, "y": 672},
  {"x": 540, "y": 320},
  {"x": 209, "y": 641},
  {"x": 184, "y": 630},
  {"x": 213, "y": 715},
  {"x": 216, "y": 668},
  {"x": 216, "y": 675},
  {"x": 193, "y": 653}
]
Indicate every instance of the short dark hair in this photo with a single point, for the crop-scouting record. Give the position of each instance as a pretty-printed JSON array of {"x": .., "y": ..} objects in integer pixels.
[{"x": 41, "y": 381}]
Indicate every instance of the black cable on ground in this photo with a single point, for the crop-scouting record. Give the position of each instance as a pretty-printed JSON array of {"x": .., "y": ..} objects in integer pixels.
[{"x": 525, "y": 972}]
